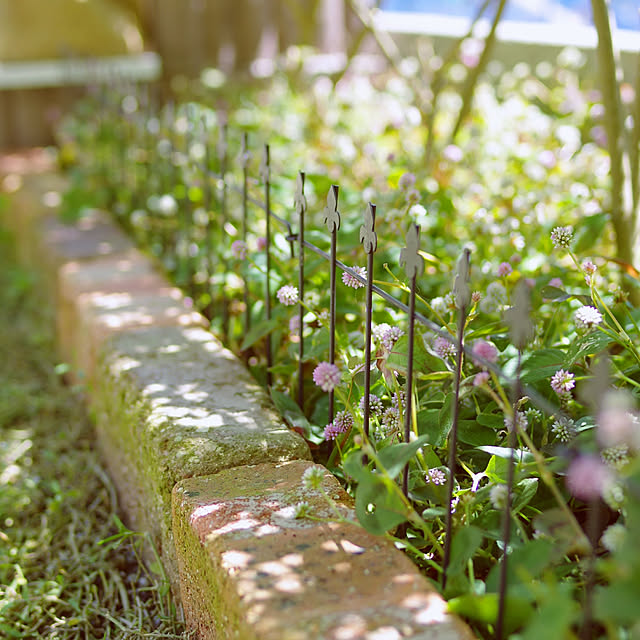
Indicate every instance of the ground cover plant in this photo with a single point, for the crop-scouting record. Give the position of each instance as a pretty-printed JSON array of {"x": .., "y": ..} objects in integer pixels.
[
  {"x": 517, "y": 488},
  {"x": 69, "y": 568}
]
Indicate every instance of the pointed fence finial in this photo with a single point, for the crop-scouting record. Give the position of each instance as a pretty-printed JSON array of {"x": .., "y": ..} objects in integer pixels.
[
  {"x": 461, "y": 288},
  {"x": 368, "y": 235},
  {"x": 299, "y": 200},
  {"x": 331, "y": 213},
  {"x": 409, "y": 256}
]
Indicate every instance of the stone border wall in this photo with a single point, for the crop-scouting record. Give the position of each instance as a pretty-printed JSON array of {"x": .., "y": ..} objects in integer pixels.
[{"x": 200, "y": 458}]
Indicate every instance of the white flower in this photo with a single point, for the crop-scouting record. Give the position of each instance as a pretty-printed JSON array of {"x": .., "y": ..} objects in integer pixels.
[
  {"x": 312, "y": 477},
  {"x": 561, "y": 237},
  {"x": 498, "y": 496},
  {"x": 613, "y": 537},
  {"x": 587, "y": 317},
  {"x": 302, "y": 509}
]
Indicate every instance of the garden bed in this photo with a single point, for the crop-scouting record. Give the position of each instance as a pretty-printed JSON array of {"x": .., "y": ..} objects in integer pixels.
[{"x": 201, "y": 460}]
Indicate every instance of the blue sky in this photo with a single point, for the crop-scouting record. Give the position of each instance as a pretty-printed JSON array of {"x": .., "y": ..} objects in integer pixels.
[{"x": 557, "y": 11}]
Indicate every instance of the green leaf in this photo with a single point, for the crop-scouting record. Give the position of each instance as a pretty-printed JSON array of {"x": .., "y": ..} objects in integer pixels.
[
  {"x": 554, "y": 293},
  {"x": 353, "y": 465},
  {"x": 505, "y": 452},
  {"x": 542, "y": 364},
  {"x": 524, "y": 564},
  {"x": 463, "y": 547},
  {"x": 555, "y": 615},
  {"x": 484, "y": 608},
  {"x": 423, "y": 362},
  {"x": 394, "y": 457},
  {"x": 430, "y": 425},
  {"x": 618, "y": 601},
  {"x": 259, "y": 331},
  {"x": 588, "y": 345},
  {"x": 434, "y": 512},
  {"x": 290, "y": 410},
  {"x": 378, "y": 506},
  {"x": 473, "y": 433},
  {"x": 589, "y": 231},
  {"x": 492, "y": 420},
  {"x": 526, "y": 489},
  {"x": 498, "y": 464}
]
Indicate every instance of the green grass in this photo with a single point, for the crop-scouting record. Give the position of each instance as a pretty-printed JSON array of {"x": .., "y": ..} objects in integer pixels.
[{"x": 68, "y": 567}]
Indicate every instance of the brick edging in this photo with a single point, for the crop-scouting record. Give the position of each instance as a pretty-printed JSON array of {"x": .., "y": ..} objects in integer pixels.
[{"x": 201, "y": 460}]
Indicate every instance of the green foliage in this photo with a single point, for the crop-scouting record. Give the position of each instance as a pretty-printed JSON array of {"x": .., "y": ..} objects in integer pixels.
[{"x": 530, "y": 161}]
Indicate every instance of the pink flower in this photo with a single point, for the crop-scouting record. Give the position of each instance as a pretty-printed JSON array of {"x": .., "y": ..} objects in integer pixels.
[
  {"x": 331, "y": 431},
  {"x": 588, "y": 268},
  {"x": 486, "y": 350},
  {"x": 407, "y": 180},
  {"x": 326, "y": 376},
  {"x": 239, "y": 249},
  {"x": 350, "y": 281},
  {"x": 261, "y": 243},
  {"x": 562, "y": 382},
  {"x": 443, "y": 347},
  {"x": 481, "y": 378},
  {"x": 504, "y": 269},
  {"x": 342, "y": 422},
  {"x": 617, "y": 422},
  {"x": 555, "y": 282},
  {"x": 287, "y": 295},
  {"x": 452, "y": 153},
  {"x": 412, "y": 196},
  {"x": 587, "y": 477},
  {"x": 387, "y": 335},
  {"x": 294, "y": 325}
]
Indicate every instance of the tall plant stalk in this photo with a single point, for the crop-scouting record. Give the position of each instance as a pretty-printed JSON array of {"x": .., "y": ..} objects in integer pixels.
[{"x": 622, "y": 148}]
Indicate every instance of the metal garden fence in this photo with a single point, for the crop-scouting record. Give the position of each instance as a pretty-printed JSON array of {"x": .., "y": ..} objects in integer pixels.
[{"x": 147, "y": 147}]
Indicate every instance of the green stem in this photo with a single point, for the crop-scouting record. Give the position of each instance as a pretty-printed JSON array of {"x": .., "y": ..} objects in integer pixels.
[{"x": 547, "y": 477}]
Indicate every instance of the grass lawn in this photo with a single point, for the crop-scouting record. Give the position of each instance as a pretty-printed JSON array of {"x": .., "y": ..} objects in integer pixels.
[{"x": 68, "y": 567}]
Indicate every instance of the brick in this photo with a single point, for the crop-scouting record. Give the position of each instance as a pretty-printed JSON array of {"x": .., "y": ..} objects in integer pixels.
[
  {"x": 173, "y": 403},
  {"x": 101, "y": 315},
  {"x": 249, "y": 569},
  {"x": 92, "y": 236},
  {"x": 127, "y": 274}
]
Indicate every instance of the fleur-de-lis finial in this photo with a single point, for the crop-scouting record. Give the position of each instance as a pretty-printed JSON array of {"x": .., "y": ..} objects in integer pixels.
[
  {"x": 368, "y": 235},
  {"x": 461, "y": 288},
  {"x": 245, "y": 154},
  {"x": 299, "y": 200},
  {"x": 331, "y": 213},
  {"x": 265, "y": 168},
  {"x": 409, "y": 256}
]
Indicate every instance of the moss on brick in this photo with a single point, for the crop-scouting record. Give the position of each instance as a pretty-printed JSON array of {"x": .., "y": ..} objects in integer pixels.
[
  {"x": 171, "y": 403},
  {"x": 211, "y": 603}
]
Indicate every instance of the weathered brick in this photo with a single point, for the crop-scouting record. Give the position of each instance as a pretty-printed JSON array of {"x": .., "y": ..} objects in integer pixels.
[
  {"x": 250, "y": 569},
  {"x": 172, "y": 403}
]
